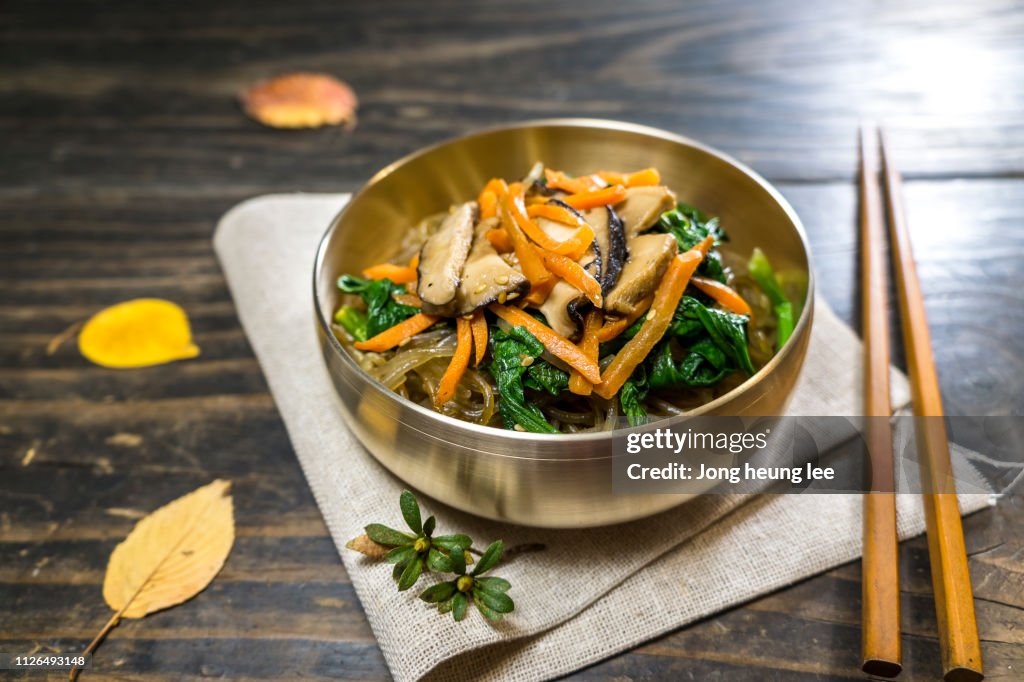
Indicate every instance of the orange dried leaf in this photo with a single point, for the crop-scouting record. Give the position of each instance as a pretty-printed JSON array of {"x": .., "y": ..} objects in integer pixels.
[
  {"x": 137, "y": 333},
  {"x": 301, "y": 100},
  {"x": 364, "y": 545}
]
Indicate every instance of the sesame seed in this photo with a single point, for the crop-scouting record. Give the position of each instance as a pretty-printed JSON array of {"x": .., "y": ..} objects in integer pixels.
[
  {"x": 525, "y": 360},
  {"x": 502, "y": 297},
  {"x": 480, "y": 289},
  {"x": 519, "y": 427},
  {"x": 513, "y": 295},
  {"x": 501, "y": 280},
  {"x": 650, "y": 314}
]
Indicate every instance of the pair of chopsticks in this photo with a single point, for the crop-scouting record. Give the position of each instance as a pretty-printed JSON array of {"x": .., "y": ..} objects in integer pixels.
[{"x": 951, "y": 582}]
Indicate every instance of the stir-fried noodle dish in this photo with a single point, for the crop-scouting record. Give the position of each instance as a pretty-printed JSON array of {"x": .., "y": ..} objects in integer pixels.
[{"x": 559, "y": 303}]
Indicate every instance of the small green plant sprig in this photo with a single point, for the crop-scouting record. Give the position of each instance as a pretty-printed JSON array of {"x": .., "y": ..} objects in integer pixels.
[
  {"x": 411, "y": 554},
  {"x": 419, "y": 551},
  {"x": 487, "y": 592}
]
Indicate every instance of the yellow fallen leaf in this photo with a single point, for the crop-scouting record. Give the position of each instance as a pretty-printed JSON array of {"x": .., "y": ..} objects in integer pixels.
[
  {"x": 170, "y": 556},
  {"x": 173, "y": 553},
  {"x": 137, "y": 333}
]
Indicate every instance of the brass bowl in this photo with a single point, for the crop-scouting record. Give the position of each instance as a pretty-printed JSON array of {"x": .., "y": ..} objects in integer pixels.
[{"x": 556, "y": 481}]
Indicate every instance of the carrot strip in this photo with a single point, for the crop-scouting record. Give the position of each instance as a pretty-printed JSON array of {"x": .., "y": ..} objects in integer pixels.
[
  {"x": 559, "y": 180},
  {"x": 541, "y": 281},
  {"x": 488, "y": 201},
  {"x": 497, "y": 186},
  {"x": 393, "y": 336},
  {"x": 573, "y": 273},
  {"x": 399, "y": 274},
  {"x": 725, "y": 295},
  {"x": 705, "y": 246},
  {"x": 612, "y": 329},
  {"x": 557, "y": 213},
  {"x": 479, "y": 326},
  {"x": 647, "y": 177},
  {"x": 538, "y": 295},
  {"x": 612, "y": 177},
  {"x": 574, "y": 247},
  {"x": 641, "y": 178},
  {"x": 457, "y": 367},
  {"x": 589, "y": 346},
  {"x": 599, "y": 197},
  {"x": 489, "y": 195},
  {"x": 666, "y": 298},
  {"x": 556, "y": 344},
  {"x": 499, "y": 239}
]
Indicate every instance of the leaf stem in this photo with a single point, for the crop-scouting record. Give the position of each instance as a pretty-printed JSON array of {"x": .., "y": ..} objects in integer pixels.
[
  {"x": 525, "y": 548},
  {"x": 111, "y": 624},
  {"x": 513, "y": 552}
]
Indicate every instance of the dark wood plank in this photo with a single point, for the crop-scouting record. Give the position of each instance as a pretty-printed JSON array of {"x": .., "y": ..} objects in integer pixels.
[
  {"x": 85, "y": 87},
  {"x": 155, "y": 445}
]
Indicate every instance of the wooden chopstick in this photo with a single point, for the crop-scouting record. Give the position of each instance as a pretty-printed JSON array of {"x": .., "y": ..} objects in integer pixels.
[
  {"x": 880, "y": 586},
  {"x": 951, "y": 581}
]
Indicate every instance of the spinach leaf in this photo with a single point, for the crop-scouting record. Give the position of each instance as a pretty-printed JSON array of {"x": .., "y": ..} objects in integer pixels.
[
  {"x": 631, "y": 397},
  {"x": 382, "y": 311},
  {"x": 690, "y": 226},
  {"x": 729, "y": 332},
  {"x": 543, "y": 376},
  {"x": 507, "y": 350},
  {"x": 704, "y": 365},
  {"x": 353, "y": 321},
  {"x": 698, "y": 216},
  {"x": 712, "y": 267},
  {"x": 694, "y": 322},
  {"x": 686, "y": 324},
  {"x": 529, "y": 343}
]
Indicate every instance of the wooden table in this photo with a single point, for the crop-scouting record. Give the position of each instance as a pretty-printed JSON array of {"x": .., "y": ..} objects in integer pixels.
[{"x": 123, "y": 143}]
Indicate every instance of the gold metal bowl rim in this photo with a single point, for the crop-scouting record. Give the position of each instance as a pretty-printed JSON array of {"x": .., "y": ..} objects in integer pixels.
[{"x": 602, "y": 124}]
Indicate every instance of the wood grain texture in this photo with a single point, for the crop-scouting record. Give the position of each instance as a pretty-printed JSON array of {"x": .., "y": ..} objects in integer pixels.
[{"x": 123, "y": 144}]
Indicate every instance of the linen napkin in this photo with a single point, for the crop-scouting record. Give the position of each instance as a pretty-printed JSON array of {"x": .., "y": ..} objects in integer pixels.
[{"x": 590, "y": 593}]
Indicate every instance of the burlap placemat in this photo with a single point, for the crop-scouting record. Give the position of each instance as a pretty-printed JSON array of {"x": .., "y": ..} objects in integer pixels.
[{"x": 590, "y": 593}]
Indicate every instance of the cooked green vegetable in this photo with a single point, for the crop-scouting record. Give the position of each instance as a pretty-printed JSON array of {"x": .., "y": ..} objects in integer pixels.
[
  {"x": 690, "y": 226},
  {"x": 631, "y": 397},
  {"x": 704, "y": 365},
  {"x": 509, "y": 349},
  {"x": 543, "y": 376},
  {"x": 353, "y": 321},
  {"x": 716, "y": 345},
  {"x": 382, "y": 311},
  {"x": 761, "y": 271},
  {"x": 686, "y": 324},
  {"x": 547, "y": 378},
  {"x": 729, "y": 332}
]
